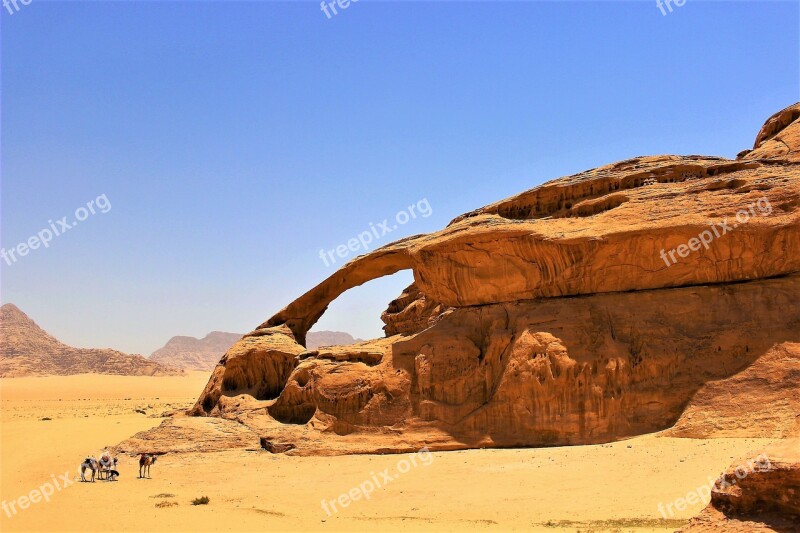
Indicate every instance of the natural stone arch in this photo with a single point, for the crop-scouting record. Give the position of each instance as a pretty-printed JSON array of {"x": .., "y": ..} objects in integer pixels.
[{"x": 304, "y": 312}]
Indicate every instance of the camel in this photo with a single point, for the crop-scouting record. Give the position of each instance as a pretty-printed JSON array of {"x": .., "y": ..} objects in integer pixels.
[
  {"x": 145, "y": 461},
  {"x": 90, "y": 463}
]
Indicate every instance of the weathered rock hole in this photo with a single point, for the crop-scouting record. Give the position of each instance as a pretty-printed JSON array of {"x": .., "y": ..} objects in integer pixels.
[
  {"x": 208, "y": 404},
  {"x": 590, "y": 208},
  {"x": 267, "y": 393},
  {"x": 296, "y": 414},
  {"x": 229, "y": 384},
  {"x": 260, "y": 373},
  {"x": 724, "y": 184},
  {"x": 302, "y": 377}
]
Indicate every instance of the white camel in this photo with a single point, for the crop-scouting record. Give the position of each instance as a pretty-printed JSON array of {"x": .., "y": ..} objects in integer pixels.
[{"x": 90, "y": 463}]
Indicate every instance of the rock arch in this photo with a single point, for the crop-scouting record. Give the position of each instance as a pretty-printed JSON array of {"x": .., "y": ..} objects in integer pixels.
[{"x": 304, "y": 312}]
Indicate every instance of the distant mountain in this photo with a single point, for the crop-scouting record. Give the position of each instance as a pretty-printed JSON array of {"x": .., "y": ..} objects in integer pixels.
[
  {"x": 191, "y": 353},
  {"x": 315, "y": 339},
  {"x": 195, "y": 354},
  {"x": 28, "y": 350}
]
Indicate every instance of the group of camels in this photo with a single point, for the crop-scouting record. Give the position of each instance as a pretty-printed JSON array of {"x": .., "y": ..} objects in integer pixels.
[{"x": 106, "y": 466}]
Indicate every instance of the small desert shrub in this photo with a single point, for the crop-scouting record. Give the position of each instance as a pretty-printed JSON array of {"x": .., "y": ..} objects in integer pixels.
[
  {"x": 200, "y": 501},
  {"x": 161, "y": 505},
  {"x": 163, "y": 495}
]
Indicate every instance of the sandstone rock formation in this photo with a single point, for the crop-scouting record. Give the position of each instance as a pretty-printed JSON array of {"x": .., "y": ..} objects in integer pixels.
[
  {"x": 190, "y": 353},
  {"x": 551, "y": 371},
  {"x": 602, "y": 230},
  {"x": 27, "y": 350},
  {"x": 585, "y": 310},
  {"x": 410, "y": 312}
]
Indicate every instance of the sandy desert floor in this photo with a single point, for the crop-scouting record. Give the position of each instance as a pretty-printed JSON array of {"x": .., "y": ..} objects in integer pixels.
[{"x": 49, "y": 424}]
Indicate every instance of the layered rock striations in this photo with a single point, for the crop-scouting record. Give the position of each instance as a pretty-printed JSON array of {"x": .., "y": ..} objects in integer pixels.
[
  {"x": 544, "y": 372},
  {"x": 585, "y": 310}
]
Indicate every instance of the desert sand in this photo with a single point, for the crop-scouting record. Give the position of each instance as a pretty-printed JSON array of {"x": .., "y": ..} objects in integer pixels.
[{"x": 541, "y": 489}]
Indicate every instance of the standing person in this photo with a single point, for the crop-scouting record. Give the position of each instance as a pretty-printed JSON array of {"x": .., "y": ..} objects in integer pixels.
[{"x": 105, "y": 463}]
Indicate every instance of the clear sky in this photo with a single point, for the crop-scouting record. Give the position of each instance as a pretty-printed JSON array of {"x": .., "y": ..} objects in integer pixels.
[{"x": 235, "y": 140}]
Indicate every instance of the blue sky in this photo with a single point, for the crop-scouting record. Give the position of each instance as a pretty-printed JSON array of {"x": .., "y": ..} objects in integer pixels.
[{"x": 234, "y": 140}]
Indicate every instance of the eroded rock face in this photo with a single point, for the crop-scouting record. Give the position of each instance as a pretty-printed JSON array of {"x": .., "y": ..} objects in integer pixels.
[
  {"x": 411, "y": 312},
  {"x": 582, "y": 311},
  {"x": 779, "y": 138},
  {"x": 591, "y": 369},
  {"x": 556, "y": 371},
  {"x": 762, "y": 401},
  {"x": 258, "y": 365}
]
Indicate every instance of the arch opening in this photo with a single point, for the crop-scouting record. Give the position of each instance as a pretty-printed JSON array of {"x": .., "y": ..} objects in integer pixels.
[{"x": 357, "y": 312}]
